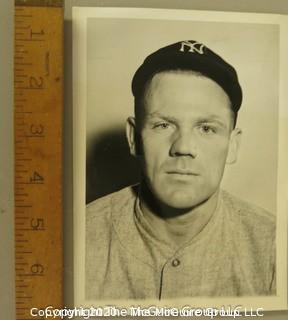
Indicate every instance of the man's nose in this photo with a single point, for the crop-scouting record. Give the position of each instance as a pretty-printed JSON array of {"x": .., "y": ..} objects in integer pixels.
[{"x": 184, "y": 144}]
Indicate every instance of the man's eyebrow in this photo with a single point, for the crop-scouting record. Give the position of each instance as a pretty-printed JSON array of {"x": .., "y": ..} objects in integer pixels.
[
  {"x": 214, "y": 119},
  {"x": 156, "y": 114}
]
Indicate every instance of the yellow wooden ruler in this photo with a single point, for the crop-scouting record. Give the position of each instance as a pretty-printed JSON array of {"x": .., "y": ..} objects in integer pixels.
[{"x": 38, "y": 107}]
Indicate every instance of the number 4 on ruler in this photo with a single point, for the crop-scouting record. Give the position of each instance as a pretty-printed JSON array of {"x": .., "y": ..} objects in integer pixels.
[{"x": 36, "y": 178}]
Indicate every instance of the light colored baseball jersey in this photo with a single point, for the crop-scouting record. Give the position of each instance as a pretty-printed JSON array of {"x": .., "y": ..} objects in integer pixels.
[{"x": 233, "y": 255}]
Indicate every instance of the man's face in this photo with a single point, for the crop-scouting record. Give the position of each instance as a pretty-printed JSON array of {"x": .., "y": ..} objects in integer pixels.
[{"x": 187, "y": 137}]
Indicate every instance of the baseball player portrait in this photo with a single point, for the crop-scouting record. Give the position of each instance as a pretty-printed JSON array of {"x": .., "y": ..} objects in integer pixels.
[{"x": 178, "y": 233}]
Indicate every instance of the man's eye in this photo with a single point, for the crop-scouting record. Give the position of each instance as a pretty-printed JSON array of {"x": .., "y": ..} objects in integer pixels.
[
  {"x": 161, "y": 125},
  {"x": 206, "y": 129}
]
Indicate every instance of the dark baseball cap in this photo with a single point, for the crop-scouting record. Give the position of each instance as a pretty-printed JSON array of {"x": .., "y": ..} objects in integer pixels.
[{"x": 190, "y": 55}]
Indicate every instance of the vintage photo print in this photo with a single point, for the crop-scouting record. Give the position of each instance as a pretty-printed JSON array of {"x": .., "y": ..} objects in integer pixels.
[{"x": 180, "y": 175}]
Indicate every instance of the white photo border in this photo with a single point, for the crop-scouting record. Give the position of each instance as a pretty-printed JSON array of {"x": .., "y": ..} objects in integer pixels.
[{"x": 80, "y": 16}]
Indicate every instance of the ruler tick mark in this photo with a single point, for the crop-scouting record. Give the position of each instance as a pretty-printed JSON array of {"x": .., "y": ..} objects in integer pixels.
[
  {"x": 31, "y": 274},
  {"x": 30, "y": 183},
  {"x": 23, "y": 28},
  {"x": 25, "y": 229},
  {"x": 29, "y": 88},
  {"x": 23, "y": 15},
  {"x": 29, "y": 40},
  {"x": 24, "y": 206},
  {"x": 35, "y": 136},
  {"x": 22, "y": 64}
]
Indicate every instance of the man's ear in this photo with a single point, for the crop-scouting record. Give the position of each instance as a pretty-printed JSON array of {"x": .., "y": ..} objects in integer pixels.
[
  {"x": 234, "y": 145},
  {"x": 131, "y": 135}
]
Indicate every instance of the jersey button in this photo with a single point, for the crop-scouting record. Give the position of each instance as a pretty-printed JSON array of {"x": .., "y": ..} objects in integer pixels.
[{"x": 175, "y": 262}]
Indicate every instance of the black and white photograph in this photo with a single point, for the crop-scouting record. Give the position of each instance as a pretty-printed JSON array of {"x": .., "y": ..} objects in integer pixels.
[{"x": 180, "y": 157}]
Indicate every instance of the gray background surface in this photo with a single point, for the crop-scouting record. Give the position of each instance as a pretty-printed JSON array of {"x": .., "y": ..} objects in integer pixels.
[{"x": 7, "y": 304}]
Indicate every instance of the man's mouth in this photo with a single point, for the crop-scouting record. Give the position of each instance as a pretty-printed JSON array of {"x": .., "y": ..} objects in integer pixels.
[{"x": 183, "y": 172}]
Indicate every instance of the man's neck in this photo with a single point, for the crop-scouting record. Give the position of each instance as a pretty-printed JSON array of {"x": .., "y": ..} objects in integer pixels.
[{"x": 176, "y": 226}]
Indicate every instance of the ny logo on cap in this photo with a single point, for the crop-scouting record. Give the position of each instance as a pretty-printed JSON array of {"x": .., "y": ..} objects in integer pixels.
[{"x": 193, "y": 47}]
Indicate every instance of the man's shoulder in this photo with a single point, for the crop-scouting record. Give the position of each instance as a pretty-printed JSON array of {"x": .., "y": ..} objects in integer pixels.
[
  {"x": 253, "y": 217},
  {"x": 113, "y": 202}
]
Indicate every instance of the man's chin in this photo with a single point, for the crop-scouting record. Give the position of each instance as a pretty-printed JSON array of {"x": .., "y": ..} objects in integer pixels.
[{"x": 180, "y": 200}]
